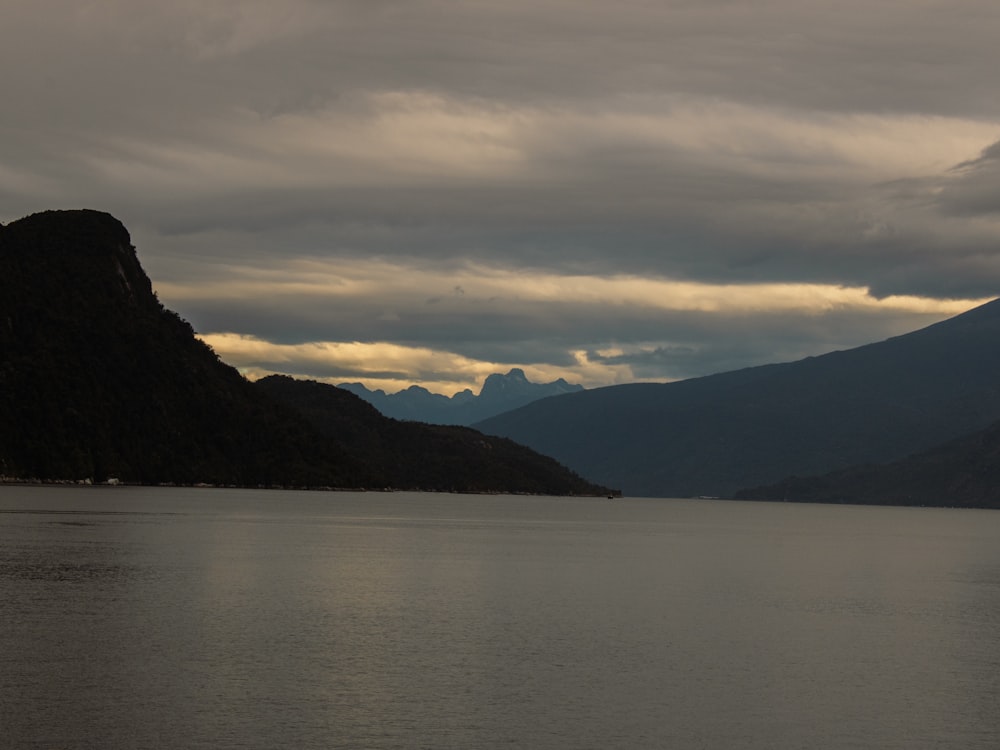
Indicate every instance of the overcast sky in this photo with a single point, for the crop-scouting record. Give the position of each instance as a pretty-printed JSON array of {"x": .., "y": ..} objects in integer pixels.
[{"x": 428, "y": 191}]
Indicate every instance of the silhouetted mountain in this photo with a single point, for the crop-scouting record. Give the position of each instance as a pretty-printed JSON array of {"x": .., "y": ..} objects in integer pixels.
[
  {"x": 963, "y": 473},
  {"x": 499, "y": 393},
  {"x": 716, "y": 434},
  {"x": 98, "y": 380},
  {"x": 415, "y": 403},
  {"x": 411, "y": 454}
]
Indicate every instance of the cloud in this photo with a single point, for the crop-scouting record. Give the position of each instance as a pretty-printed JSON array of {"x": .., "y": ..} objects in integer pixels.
[
  {"x": 693, "y": 185},
  {"x": 596, "y": 330},
  {"x": 390, "y": 367},
  {"x": 972, "y": 189}
]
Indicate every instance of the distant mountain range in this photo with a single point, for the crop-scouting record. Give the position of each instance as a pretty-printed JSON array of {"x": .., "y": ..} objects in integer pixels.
[
  {"x": 755, "y": 427},
  {"x": 98, "y": 380},
  {"x": 499, "y": 393}
]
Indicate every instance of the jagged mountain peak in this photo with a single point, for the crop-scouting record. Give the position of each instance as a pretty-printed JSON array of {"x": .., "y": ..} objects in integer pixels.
[
  {"x": 500, "y": 392},
  {"x": 514, "y": 379}
]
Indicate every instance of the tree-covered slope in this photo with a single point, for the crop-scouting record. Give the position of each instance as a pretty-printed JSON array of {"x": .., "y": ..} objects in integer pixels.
[
  {"x": 99, "y": 380},
  {"x": 412, "y": 454},
  {"x": 963, "y": 473},
  {"x": 714, "y": 435}
]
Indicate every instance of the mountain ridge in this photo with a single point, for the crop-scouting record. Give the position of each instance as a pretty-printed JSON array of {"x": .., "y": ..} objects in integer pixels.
[
  {"x": 98, "y": 380},
  {"x": 717, "y": 434},
  {"x": 499, "y": 393},
  {"x": 449, "y": 457}
]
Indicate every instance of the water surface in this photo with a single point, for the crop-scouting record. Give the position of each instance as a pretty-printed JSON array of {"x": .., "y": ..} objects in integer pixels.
[{"x": 195, "y": 618}]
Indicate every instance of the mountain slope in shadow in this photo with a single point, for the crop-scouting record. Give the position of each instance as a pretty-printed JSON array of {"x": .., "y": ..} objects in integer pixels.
[
  {"x": 714, "y": 435},
  {"x": 98, "y": 380},
  {"x": 963, "y": 473},
  {"x": 416, "y": 455}
]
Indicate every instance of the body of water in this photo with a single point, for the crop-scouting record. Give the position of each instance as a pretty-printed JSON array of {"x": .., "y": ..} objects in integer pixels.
[{"x": 196, "y": 618}]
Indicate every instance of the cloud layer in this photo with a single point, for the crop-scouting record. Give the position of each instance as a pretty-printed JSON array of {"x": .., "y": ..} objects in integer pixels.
[{"x": 430, "y": 191}]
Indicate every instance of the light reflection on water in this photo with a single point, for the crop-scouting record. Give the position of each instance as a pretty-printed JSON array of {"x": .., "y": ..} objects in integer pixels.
[{"x": 178, "y": 618}]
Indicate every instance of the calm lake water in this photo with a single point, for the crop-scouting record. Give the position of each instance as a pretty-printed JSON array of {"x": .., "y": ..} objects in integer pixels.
[{"x": 192, "y": 618}]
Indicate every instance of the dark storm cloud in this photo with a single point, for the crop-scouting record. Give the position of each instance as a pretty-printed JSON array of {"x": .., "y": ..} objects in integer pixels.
[{"x": 974, "y": 187}]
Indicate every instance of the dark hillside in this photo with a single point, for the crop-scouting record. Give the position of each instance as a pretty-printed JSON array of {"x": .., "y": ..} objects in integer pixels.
[
  {"x": 99, "y": 380},
  {"x": 412, "y": 454},
  {"x": 714, "y": 435},
  {"x": 963, "y": 473}
]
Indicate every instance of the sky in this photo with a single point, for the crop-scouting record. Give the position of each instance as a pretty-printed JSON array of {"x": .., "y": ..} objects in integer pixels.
[{"x": 401, "y": 192}]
